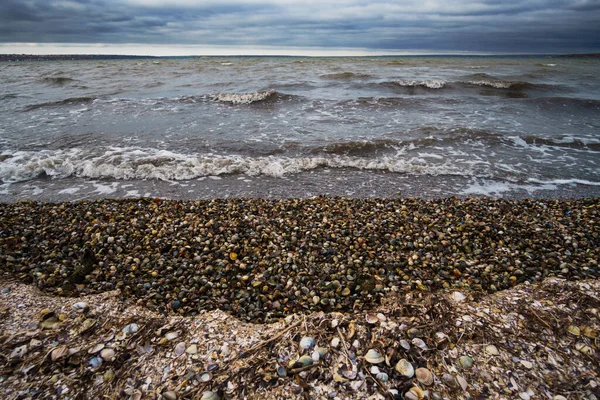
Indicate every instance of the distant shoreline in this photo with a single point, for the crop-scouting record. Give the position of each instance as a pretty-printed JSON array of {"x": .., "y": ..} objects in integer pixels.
[{"x": 77, "y": 57}]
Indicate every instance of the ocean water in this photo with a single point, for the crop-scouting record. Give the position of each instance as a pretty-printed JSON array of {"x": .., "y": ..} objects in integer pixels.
[{"x": 191, "y": 128}]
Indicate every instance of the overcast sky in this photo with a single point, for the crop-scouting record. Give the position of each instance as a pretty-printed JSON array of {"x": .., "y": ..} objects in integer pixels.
[{"x": 299, "y": 26}]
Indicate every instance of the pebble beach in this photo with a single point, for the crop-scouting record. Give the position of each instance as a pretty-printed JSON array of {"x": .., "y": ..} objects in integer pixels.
[{"x": 318, "y": 298}]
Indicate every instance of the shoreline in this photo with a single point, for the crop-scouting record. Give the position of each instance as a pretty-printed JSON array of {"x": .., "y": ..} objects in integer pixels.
[{"x": 223, "y": 290}]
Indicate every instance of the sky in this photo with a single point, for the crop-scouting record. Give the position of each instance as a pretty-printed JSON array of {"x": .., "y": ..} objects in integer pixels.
[{"x": 299, "y": 27}]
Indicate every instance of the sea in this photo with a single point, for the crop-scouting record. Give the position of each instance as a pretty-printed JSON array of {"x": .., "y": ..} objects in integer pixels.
[{"x": 280, "y": 127}]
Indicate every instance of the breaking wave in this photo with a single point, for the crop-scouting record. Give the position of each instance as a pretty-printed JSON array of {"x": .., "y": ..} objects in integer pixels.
[
  {"x": 428, "y": 84},
  {"x": 244, "y": 98},
  {"x": 499, "y": 84},
  {"x": 140, "y": 163}
]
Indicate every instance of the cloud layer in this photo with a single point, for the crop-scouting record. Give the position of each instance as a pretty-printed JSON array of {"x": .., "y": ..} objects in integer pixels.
[{"x": 463, "y": 25}]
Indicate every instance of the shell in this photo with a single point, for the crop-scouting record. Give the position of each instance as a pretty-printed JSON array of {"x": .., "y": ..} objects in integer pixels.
[
  {"x": 449, "y": 381},
  {"x": 574, "y": 330},
  {"x": 419, "y": 343},
  {"x": 107, "y": 354},
  {"x": 339, "y": 378},
  {"x": 87, "y": 325},
  {"x": 59, "y": 353},
  {"x": 205, "y": 377},
  {"x": 424, "y": 376},
  {"x": 381, "y": 317},
  {"x": 95, "y": 362},
  {"x": 374, "y": 357},
  {"x": 491, "y": 350},
  {"x": 281, "y": 371},
  {"x": 404, "y": 344},
  {"x": 415, "y": 393},
  {"x": 371, "y": 319},
  {"x": 95, "y": 349},
  {"x": 462, "y": 382},
  {"x": 404, "y": 367},
  {"x": 209, "y": 396},
  {"x": 307, "y": 343},
  {"x": 130, "y": 329},
  {"x": 465, "y": 362},
  {"x": 457, "y": 296},
  {"x": 335, "y": 342},
  {"x": 413, "y": 333},
  {"x": 382, "y": 377},
  {"x": 180, "y": 349},
  {"x": 171, "y": 335},
  {"x": 304, "y": 361}
]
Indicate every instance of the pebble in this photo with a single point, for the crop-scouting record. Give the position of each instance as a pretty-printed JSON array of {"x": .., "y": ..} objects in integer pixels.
[{"x": 199, "y": 260}]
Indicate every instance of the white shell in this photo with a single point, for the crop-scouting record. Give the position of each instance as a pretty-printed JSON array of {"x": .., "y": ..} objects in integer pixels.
[
  {"x": 491, "y": 350},
  {"x": 405, "y": 344},
  {"x": 171, "y": 335},
  {"x": 209, "y": 396},
  {"x": 131, "y": 328},
  {"x": 307, "y": 343},
  {"x": 419, "y": 343},
  {"x": 404, "y": 367},
  {"x": 374, "y": 357},
  {"x": 372, "y": 319},
  {"x": 96, "y": 348},
  {"x": 335, "y": 342},
  {"x": 462, "y": 382},
  {"x": 458, "y": 296}
]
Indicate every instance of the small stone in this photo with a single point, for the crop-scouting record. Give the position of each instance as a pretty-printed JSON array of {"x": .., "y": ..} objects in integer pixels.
[
  {"x": 5, "y": 290},
  {"x": 175, "y": 304},
  {"x": 80, "y": 306},
  {"x": 527, "y": 364},
  {"x": 110, "y": 239}
]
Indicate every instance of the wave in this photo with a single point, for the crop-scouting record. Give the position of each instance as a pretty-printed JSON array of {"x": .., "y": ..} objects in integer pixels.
[
  {"x": 143, "y": 163},
  {"x": 69, "y": 101},
  {"x": 244, "y": 98},
  {"x": 57, "y": 80},
  {"x": 360, "y": 148},
  {"x": 499, "y": 84},
  {"x": 428, "y": 84}
]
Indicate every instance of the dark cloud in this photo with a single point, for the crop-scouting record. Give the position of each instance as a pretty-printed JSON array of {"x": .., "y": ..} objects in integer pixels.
[{"x": 462, "y": 25}]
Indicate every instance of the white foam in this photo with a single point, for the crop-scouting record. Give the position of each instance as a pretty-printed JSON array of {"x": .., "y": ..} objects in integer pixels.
[
  {"x": 430, "y": 84},
  {"x": 71, "y": 190},
  {"x": 493, "y": 84},
  {"x": 139, "y": 163},
  {"x": 549, "y": 65},
  {"x": 243, "y": 98},
  {"x": 572, "y": 181},
  {"x": 494, "y": 188}
]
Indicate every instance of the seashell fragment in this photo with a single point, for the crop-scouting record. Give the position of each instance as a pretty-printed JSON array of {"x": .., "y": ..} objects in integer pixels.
[
  {"x": 415, "y": 393},
  {"x": 307, "y": 342},
  {"x": 95, "y": 362},
  {"x": 589, "y": 332},
  {"x": 209, "y": 396},
  {"x": 205, "y": 377},
  {"x": 420, "y": 343},
  {"x": 457, "y": 296},
  {"x": 86, "y": 325},
  {"x": 491, "y": 350},
  {"x": 281, "y": 371},
  {"x": 404, "y": 344},
  {"x": 171, "y": 335},
  {"x": 424, "y": 376},
  {"x": 339, "y": 378},
  {"x": 303, "y": 361},
  {"x": 80, "y": 306},
  {"x": 374, "y": 357},
  {"x": 449, "y": 381},
  {"x": 335, "y": 342},
  {"x": 404, "y": 367},
  {"x": 59, "y": 353},
  {"x": 130, "y": 329},
  {"x": 462, "y": 382},
  {"x": 465, "y": 362},
  {"x": 107, "y": 354},
  {"x": 574, "y": 330},
  {"x": 371, "y": 319},
  {"x": 381, "y": 317},
  {"x": 193, "y": 349},
  {"x": 95, "y": 349}
]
